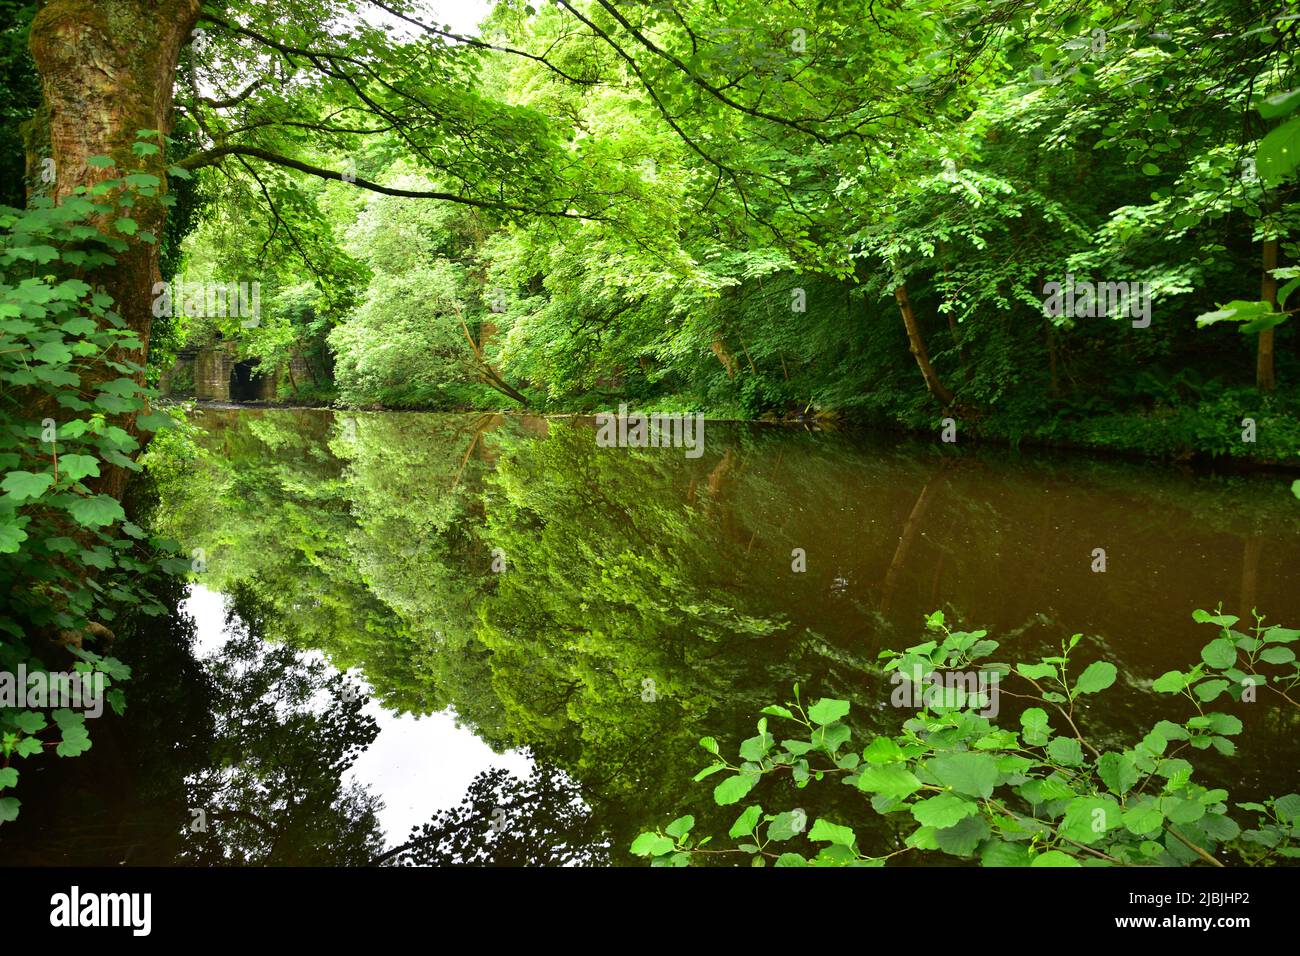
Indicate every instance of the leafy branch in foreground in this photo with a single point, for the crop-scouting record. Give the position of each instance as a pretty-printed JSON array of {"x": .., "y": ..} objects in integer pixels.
[
  {"x": 71, "y": 408},
  {"x": 1039, "y": 795}
]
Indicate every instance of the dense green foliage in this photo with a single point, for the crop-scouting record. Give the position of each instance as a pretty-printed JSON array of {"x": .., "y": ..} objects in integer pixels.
[
  {"x": 750, "y": 209},
  {"x": 70, "y": 560},
  {"x": 711, "y": 207},
  {"x": 1034, "y": 796}
]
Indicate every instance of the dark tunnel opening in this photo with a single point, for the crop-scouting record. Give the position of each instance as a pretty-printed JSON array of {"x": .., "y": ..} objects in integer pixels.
[{"x": 245, "y": 381}]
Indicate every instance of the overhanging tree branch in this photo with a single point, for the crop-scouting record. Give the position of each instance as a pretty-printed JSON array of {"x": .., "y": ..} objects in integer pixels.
[{"x": 211, "y": 157}]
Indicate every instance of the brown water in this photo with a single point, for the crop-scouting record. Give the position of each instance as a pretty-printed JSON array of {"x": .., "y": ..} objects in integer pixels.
[{"x": 511, "y": 596}]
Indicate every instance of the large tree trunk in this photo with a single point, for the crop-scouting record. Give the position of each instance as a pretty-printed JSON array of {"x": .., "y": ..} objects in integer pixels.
[
  {"x": 1265, "y": 379},
  {"x": 107, "y": 70},
  {"x": 916, "y": 344}
]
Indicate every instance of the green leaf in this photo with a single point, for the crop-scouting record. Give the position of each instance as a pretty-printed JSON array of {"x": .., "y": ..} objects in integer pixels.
[
  {"x": 827, "y": 710},
  {"x": 75, "y": 742},
  {"x": 20, "y": 485},
  {"x": 823, "y": 831},
  {"x": 883, "y": 750},
  {"x": 76, "y": 467},
  {"x": 680, "y": 827},
  {"x": 1065, "y": 751},
  {"x": 1170, "y": 682},
  {"x": 786, "y": 826},
  {"x": 1277, "y": 655},
  {"x": 1279, "y": 152},
  {"x": 1143, "y": 817},
  {"x": 1210, "y": 689},
  {"x": 1087, "y": 819},
  {"x": 1036, "y": 671},
  {"x": 100, "y": 558},
  {"x": 53, "y": 353},
  {"x": 1279, "y": 104},
  {"x": 113, "y": 404},
  {"x": 154, "y": 421},
  {"x": 1096, "y": 677},
  {"x": 1055, "y": 858},
  {"x": 79, "y": 325},
  {"x": 943, "y": 811},
  {"x": 11, "y": 536},
  {"x": 1034, "y": 727},
  {"x": 1284, "y": 293},
  {"x": 963, "y": 837},
  {"x": 1118, "y": 772},
  {"x": 831, "y": 737},
  {"x": 755, "y": 748},
  {"x": 1238, "y": 310},
  {"x": 8, "y": 809},
  {"x": 652, "y": 844},
  {"x": 1205, "y": 617},
  {"x": 1281, "y": 635},
  {"x": 1000, "y": 853},
  {"x": 746, "y": 822},
  {"x": 890, "y": 780},
  {"x": 97, "y": 511},
  {"x": 734, "y": 788},
  {"x": 29, "y": 722},
  {"x": 1219, "y": 654},
  {"x": 973, "y": 774}
]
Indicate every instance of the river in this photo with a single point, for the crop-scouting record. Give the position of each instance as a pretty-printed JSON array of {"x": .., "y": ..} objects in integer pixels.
[{"x": 486, "y": 639}]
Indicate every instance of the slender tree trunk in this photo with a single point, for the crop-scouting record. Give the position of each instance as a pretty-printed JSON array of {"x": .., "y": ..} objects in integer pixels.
[
  {"x": 1265, "y": 379},
  {"x": 749, "y": 358},
  {"x": 916, "y": 344},
  {"x": 107, "y": 70},
  {"x": 487, "y": 374}
]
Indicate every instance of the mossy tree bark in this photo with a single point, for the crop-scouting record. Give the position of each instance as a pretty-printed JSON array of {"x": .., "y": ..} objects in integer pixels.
[{"x": 107, "y": 70}]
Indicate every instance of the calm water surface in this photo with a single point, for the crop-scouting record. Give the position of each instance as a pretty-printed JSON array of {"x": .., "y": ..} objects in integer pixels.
[{"x": 441, "y": 638}]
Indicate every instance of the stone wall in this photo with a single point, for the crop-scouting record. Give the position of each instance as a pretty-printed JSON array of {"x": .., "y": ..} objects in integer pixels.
[
  {"x": 178, "y": 381},
  {"x": 205, "y": 374},
  {"x": 212, "y": 368}
]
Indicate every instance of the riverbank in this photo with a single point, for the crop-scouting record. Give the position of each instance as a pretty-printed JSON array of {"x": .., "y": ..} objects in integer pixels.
[{"x": 1269, "y": 442}]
